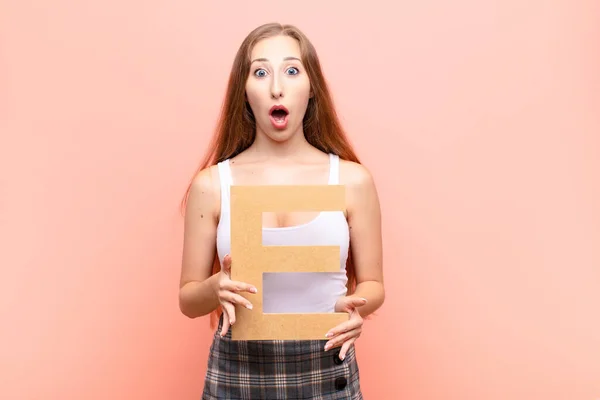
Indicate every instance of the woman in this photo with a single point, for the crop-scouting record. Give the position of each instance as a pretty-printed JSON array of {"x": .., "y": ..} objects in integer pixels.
[{"x": 278, "y": 126}]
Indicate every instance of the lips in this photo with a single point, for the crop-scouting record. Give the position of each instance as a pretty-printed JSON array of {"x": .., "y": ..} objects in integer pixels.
[{"x": 279, "y": 116}]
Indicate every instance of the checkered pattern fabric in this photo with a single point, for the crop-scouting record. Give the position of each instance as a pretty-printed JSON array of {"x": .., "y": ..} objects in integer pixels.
[{"x": 279, "y": 370}]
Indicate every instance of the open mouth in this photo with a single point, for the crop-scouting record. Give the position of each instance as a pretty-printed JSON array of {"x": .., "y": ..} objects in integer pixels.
[
  {"x": 279, "y": 113},
  {"x": 279, "y": 116}
]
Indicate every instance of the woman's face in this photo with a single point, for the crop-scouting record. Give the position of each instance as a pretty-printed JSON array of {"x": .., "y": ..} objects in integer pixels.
[{"x": 278, "y": 88}]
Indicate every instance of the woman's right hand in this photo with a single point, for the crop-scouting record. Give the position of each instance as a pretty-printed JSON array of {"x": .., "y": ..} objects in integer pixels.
[{"x": 227, "y": 292}]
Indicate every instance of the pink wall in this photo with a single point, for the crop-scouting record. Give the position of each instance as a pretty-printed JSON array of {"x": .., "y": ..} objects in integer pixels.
[{"x": 479, "y": 120}]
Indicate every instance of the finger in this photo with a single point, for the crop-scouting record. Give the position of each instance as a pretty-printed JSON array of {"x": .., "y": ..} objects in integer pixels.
[
  {"x": 339, "y": 340},
  {"x": 346, "y": 326},
  {"x": 226, "y": 324},
  {"x": 236, "y": 286},
  {"x": 233, "y": 298},
  {"x": 346, "y": 347},
  {"x": 230, "y": 310}
]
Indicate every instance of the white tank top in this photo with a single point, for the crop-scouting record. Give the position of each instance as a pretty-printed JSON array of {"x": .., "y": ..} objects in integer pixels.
[{"x": 297, "y": 292}]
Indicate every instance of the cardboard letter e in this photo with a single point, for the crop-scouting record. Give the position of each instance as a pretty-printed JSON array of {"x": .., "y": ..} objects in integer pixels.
[{"x": 250, "y": 259}]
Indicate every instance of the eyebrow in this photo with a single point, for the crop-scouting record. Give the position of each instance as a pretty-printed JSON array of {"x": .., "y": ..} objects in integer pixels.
[{"x": 285, "y": 59}]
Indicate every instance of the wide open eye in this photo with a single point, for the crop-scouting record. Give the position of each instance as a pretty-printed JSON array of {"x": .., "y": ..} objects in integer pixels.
[
  {"x": 292, "y": 71},
  {"x": 260, "y": 73}
]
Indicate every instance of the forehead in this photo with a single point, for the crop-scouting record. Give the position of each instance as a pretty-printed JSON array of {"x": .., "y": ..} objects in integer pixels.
[{"x": 276, "y": 48}]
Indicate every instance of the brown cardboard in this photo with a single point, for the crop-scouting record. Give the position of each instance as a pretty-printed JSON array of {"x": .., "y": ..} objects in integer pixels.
[{"x": 250, "y": 259}]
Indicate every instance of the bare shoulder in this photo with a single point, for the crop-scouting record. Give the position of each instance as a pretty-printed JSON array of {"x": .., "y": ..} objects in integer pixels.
[
  {"x": 361, "y": 193},
  {"x": 355, "y": 175},
  {"x": 205, "y": 193}
]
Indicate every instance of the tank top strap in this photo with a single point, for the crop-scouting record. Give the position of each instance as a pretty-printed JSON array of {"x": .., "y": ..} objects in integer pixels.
[
  {"x": 334, "y": 169},
  {"x": 225, "y": 181}
]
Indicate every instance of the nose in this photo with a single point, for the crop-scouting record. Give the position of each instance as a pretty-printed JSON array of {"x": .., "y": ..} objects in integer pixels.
[{"x": 276, "y": 88}]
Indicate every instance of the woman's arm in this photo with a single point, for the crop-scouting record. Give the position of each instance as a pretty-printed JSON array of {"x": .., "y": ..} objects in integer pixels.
[
  {"x": 364, "y": 218},
  {"x": 198, "y": 289}
]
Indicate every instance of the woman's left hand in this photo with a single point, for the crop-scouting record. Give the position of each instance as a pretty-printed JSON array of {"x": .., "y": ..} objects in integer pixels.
[{"x": 347, "y": 332}]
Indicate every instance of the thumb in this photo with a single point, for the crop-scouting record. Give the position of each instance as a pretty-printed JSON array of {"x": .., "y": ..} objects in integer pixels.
[
  {"x": 351, "y": 302},
  {"x": 227, "y": 265}
]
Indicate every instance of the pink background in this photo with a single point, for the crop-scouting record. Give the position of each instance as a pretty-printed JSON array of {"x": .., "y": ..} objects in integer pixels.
[{"x": 479, "y": 120}]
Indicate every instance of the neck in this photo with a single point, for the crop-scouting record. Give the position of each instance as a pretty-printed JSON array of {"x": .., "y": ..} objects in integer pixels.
[{"x": 295, "y": 146}]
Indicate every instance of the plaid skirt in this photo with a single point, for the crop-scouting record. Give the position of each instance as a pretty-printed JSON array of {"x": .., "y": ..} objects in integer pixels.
[{"x": 279, "y": 370}]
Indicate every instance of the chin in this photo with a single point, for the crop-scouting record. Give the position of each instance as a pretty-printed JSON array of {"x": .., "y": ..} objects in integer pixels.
[{"x": 280, "y": 135}]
